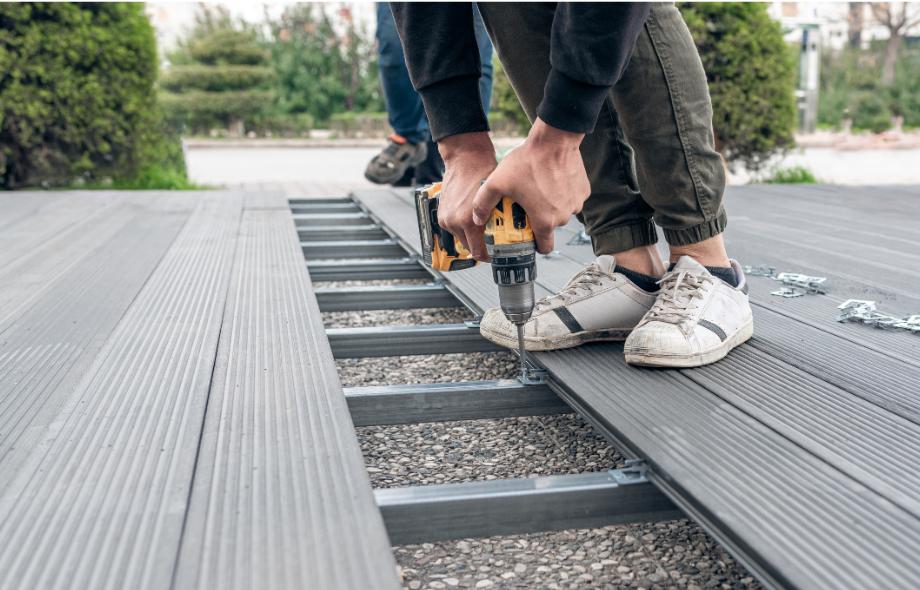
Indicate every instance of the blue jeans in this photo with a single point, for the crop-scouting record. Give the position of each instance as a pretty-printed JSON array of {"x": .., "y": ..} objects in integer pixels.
[{"x": 404, "y": 105}]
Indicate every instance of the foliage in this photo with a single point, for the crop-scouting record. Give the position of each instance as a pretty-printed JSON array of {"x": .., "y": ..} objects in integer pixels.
[
  {"x": 76, "y": 96},
  {"x": 792, "y": 175},
  {"x": 321, "y": 72},
  {"x": 852, "y": 86},
  {"x": 220, "y": 76},
  {"x": 505, "y": 108},
  {"x": 751, "y": 78},
  {"x": 203, "y": 77}
]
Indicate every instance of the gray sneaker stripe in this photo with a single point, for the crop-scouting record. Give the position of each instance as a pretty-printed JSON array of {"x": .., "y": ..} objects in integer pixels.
[
  {"x": 568, "y": 319},
  {"x": 715, "y": 329}
]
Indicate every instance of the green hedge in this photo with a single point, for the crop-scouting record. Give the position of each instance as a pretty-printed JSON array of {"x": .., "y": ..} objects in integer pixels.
[
  {"x": 214, "y": 108},
  {"x": 77, "y": 98},
  {"x": 228, "y": 47},
  {"x": 201, "y": 77}
]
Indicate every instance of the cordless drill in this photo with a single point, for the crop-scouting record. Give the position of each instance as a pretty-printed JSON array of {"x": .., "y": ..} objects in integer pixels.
[{"x": 509, "y": 242}]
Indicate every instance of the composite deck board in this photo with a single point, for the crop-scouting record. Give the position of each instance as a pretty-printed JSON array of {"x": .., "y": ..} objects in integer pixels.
[
  {"x": 101, "y": 499},
  {"x": 46, "y": 349},
  {"x": 281, "y": 498},
  {"x": 743, "y": 446}
]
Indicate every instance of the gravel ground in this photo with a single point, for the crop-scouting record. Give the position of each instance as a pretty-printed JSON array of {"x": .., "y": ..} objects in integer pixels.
[
  {"x": 385, "y": 317},
  {"x": 657, "y": 555},
  {"x": 372, "y": 283}
]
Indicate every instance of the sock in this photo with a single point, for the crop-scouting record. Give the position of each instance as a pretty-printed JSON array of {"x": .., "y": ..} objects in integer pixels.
[
  {"x": 726, "y": 273},
  {"x": 645, "y": 282}
]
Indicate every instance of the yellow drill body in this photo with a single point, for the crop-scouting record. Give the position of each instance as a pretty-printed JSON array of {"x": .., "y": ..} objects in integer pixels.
[{"x": 509, "y": 242}]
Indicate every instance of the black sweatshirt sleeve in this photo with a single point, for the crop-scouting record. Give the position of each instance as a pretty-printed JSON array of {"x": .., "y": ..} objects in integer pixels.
[
  {"x": 590, "y": 47},
  {"x": 439, "y": 43}
]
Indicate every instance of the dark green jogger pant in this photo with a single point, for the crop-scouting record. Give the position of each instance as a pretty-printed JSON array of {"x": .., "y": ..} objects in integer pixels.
[{"x": 652, "y": 153}]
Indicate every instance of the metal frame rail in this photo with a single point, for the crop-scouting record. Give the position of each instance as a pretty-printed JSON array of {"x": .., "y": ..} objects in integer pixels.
[{"x": 418, "y": 514}]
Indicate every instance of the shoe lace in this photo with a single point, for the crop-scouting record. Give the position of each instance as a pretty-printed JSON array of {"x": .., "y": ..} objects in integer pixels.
[
  {"x": 584, "y": 281},
  {"x": 678, "y": 299}
]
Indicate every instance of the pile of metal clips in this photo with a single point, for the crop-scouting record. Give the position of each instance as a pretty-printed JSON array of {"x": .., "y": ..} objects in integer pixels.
[
  {"x": 866, "y": 312},
  {"x": 794, "y": 284}
]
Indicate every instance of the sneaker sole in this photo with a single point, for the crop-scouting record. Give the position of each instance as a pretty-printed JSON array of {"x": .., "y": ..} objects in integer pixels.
[
  {"x": 686, "y": 361},
  {"x": 568, "y": 341},
  {"x": 398, "y": 173}
]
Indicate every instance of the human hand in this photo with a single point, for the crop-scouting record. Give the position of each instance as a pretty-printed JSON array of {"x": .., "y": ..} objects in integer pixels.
[
  {"x": 469, "y": 158},
  {"x": 545, "y": 175}
]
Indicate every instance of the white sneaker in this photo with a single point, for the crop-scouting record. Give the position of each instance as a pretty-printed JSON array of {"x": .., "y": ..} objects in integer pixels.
[
  {"x": 596, "y": 304},
  {"x": 696, "y": 320}
]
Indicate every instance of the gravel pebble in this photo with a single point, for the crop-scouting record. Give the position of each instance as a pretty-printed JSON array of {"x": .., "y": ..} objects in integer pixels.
[
  {"x": 386, "y": 317},
  {"x": 370, "y": 283},
  {"x": 435, "y": 368}
]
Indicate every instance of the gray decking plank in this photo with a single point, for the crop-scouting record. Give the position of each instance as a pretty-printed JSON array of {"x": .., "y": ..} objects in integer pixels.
[
  {"x": 281, "y": 497},
  {"x": 46, "y": 349},
  {"x": 769, "y": 499},
  {"x": 54, "y": 218},
  {"x": 102, "y": 497},
  {"x": 736, "y": 465}
]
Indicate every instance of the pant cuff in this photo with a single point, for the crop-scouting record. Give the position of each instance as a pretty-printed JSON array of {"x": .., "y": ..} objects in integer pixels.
[
  {"x": 624, "y": 237},
  {"x": 697, "y": 233}
]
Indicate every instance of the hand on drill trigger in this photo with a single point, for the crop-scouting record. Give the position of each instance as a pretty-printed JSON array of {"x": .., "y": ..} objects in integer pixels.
[
  {"x": 468, "y": 159},
  {"x": 545, "y": 175}
]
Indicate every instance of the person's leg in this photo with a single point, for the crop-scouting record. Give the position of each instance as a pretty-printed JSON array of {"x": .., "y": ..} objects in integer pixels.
[
  {"x": 606, "y": 299},
  {"x": 665, "y": 110},
  {"x": 485, "y": 59},
  {"x": 703, "y": 311},
  {"x": 407, "y": 147},
  {"x": 404, "y": 106},
  {"x": 615, "y": 215}
]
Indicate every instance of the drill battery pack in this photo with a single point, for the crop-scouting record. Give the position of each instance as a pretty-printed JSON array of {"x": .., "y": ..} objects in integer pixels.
[{"x": 440, "y": 249}]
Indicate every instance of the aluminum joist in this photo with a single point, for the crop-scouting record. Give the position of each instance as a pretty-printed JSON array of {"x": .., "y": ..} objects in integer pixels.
[
  {"x": 426, "y": 514},
  {"x": 320, "y": 233},
  {"x": 755, "y": 447},
  {"x": 405, "y": 268},
  {"x": 339, "y": 249},
  {"x": 326, "y": 219},
  {"x": 438, "y": 402},
  {"x": 281, "y": 498},
  {"x": 407, "y": 340},
  {"x": 385, "y": 297}
]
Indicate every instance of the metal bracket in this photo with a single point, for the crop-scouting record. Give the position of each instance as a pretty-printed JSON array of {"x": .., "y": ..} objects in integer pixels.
[
  {"x": 533, "y": 376},
  {"x": 473, "y": 324},
  {"x": 788, "y": 292},
  {"x": 761, "y": 270},
  {"x": 633, "y": 471}
]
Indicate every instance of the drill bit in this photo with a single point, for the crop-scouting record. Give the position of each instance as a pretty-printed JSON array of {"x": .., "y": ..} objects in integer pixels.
[{"x": 523, "y": 352}]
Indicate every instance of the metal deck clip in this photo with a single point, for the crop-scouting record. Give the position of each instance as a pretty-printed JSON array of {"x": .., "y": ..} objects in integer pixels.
[
  {"x": 533, "y": 376},
  {"x": 633, "y": 471},
  {"x": 473, "y": 324}
]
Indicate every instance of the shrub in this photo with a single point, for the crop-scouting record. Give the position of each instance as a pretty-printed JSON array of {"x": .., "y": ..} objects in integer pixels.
[
  {"x": 220, "y": 78},
  {"x": 76, "y": 95},
  {"x": 506, "y": 110},
  {"x": 792, "y": 175},
  {"x": 319, "y": 71},
  {"x": 751, "y": 78}
]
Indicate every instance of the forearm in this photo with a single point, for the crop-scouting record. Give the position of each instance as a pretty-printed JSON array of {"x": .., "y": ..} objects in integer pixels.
[{"x": 441, "y": 54}]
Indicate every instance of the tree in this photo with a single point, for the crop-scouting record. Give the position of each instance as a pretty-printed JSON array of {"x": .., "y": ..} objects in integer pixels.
[
  {"x": 855, "y": 23},
  {"x": 319, "y": 71},
  {"x": 77, "y": 98},
  {"x": 751, "y": 73},
  {"x": 898, "y": 18},
  {"x": 219, "y": 76}
]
